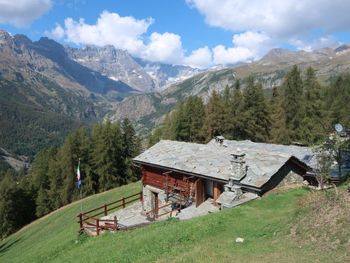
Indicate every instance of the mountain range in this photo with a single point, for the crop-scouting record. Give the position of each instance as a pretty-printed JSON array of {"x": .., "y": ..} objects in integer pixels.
[
  {"x": 47, "y": 89},
  {"x": 149, "y": 109}
]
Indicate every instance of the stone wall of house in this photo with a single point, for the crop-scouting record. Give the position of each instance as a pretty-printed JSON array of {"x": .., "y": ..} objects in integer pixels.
[
  {"x": 148, "y": 197},
  {"x": 287, "y": 174},
  {"x": 291, "y": 178}
]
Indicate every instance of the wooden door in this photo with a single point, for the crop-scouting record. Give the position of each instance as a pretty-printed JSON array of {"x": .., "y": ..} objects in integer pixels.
[
  {"x": 199, "y": 192},
  {"x": 217, "y": 191},
  {"x": 155, "y": 203}
]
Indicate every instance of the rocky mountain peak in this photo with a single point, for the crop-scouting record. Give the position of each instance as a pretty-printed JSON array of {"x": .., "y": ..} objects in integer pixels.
[
  {"x": 342, "y": 48},
  {"x": 277, "y": 52},
  {"x": 5, "y": 37},
  {"x": 22, "y": 40}
]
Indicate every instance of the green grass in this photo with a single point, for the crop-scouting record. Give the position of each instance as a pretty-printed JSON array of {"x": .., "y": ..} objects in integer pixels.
[{"x": 264, "y": 224}]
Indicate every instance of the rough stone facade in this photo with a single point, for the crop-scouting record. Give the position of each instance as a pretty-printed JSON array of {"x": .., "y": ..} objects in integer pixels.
[
  {"x": 291, "y": 178},
  {"x": 148, "y": 193}
]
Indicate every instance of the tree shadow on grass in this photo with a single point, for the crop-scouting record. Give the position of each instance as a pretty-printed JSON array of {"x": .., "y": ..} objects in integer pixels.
[{"x": 6, "y": 245}]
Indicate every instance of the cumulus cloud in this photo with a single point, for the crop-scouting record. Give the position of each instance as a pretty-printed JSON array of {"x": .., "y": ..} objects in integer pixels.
[
  {"x": 129, "y": 33},
  {"x": 322, "y": 42},
  {"x": 247, "y": 46},
  {"x": 290, "y": 21},
  {"x": 110, "y": 29},
  {"x": 288, "y": 18},
  {"x": 166, "y": 48},
  {"x": 22, "y": 13},
  {"x": 199, "y": 58},
  {"x": 224, "y": 56}
]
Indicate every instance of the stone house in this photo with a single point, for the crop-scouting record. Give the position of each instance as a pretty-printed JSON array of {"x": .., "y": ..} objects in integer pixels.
[{"x": 224, "y": 171}]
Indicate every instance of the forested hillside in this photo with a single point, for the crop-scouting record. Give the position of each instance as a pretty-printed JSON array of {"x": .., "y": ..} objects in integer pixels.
[
  {"x": 301, "y": 110},
  {"x": 28, "y": 124},
  {"x": 105, "y": 162}
]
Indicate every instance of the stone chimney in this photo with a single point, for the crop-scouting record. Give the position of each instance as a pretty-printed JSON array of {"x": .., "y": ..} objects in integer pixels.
[
  {"x": 219, "y": 140},
  {"x": 238, "y": 165}
]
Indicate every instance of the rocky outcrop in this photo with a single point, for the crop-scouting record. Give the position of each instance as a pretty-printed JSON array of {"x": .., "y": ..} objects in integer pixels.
[{"x": 116, "y": 64}]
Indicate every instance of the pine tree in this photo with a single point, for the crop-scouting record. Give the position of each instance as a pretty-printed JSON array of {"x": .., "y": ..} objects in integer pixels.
[
  {"x": 108, "y": 161},
  {"x": 312, "y": 126},
  {"x": 257, "y": 121},
  {"x": 337, "y": 101},
  {"x": 194, "y": 112},
  {"x": 214, "y": 117},
  {"x": 156, "y": 135},
  {"x": 279, "y": 132},
  {"x": 233, "y": 117},
  {"x": 42, "y": 202},
  {"x": 75, "y": 148},
  {"x": 186, "y": 121},
  {"x": 17, "y": 204},
  {"x": 131, "y": 147},
  {"x": 294, "y": 103},
  {"x": 56, "y": 183}
]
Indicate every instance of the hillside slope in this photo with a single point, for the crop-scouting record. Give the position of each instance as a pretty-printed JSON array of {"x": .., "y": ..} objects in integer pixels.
[{"x": 264, "y": 224}]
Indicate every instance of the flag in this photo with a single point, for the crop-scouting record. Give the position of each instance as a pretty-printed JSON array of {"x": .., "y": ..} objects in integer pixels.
[{"x": 78, "y": 176}]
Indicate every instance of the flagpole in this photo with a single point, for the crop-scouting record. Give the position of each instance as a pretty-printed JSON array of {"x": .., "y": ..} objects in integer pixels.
[{"x": 81, "y": 202}]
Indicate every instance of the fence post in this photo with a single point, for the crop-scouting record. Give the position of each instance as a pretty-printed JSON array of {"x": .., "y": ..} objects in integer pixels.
[
  {"x": 123, "y": 200},
  {"x": 81, "y": 221},
  {"x": 97, "y": 226},
  {"x": 141, "y": 197},
  {"x": 105, "y": 208},
  {"x": 115, "y": 223}
]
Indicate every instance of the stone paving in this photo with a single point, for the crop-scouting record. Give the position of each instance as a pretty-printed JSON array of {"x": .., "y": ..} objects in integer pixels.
[
  {"x": 193, "y": 211},
  {"x": 130, "y": 216}
]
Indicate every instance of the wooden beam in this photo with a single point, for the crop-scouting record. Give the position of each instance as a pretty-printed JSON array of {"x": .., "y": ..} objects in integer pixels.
[{"x": 216, "y": 191}]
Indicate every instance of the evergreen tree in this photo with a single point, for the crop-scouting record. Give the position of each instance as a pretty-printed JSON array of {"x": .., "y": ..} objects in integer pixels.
[
  {"x": 194, "y": 110},
  {"x": 214, "y": 117},
  {"x": 337, "y": 101},
  {"x": 75, "y": 148},
  {"x": 156, "y": 135},
  {"x": 233, "y": 118},
  {"x": 17, "y": 205},
  {"x": 279, "y": 132},
  {"x": 131, "y": 147},
  {"x": 181, "y": 123},
  {"x": 40, "y": 180},
  {"x": 186, "y": 121},
  {"x": 108, "y": 162},
  {"x": 257, "y": 121},
  {"x": 294, "y": 103},
  {"x": 56, "y": 183},
  {"x": 312, "y": 126}
]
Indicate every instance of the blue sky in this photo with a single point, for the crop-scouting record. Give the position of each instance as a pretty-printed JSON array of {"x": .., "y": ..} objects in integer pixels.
[{"x": 199, "y": 33}]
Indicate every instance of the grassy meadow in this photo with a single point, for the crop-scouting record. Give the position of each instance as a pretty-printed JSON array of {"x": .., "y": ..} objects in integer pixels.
[{"x": 269, "y": 227}]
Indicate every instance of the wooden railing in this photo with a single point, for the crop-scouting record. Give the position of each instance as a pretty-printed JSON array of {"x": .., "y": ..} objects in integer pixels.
[
  {"x": 154, "y": 214},
  {"x": 90, "y": 220}
]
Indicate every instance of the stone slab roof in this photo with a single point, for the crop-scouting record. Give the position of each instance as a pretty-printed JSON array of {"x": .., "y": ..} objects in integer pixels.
[{"x": 213, "y": 159}]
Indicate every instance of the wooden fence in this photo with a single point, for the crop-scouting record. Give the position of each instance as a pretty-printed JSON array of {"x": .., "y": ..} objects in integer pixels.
[
  {"x": 154, "y": 213},
  {"x": 89, "y": 220}
]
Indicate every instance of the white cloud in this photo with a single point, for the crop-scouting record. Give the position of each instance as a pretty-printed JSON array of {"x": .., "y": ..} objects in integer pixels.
[
  {"x": 128, "y": 33},
  {"x": 199, "y": 58},
  {"x": 246, "y": 46},
  {"x": 22, "y": 13},
  {"x": 322, "y": 42},
  {"x": 282, "y": 19},
  {"x": 56, "y": 33},
  {"x": 110, "y": 29},
  {"x": 289, "y": 21},
  {"x": 224, "y": 56},
  {"x": 166, "y": 48}
]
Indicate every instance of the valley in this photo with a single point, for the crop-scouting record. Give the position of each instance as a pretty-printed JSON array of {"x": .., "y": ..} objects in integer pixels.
[{"x": 50, "y": 85}]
